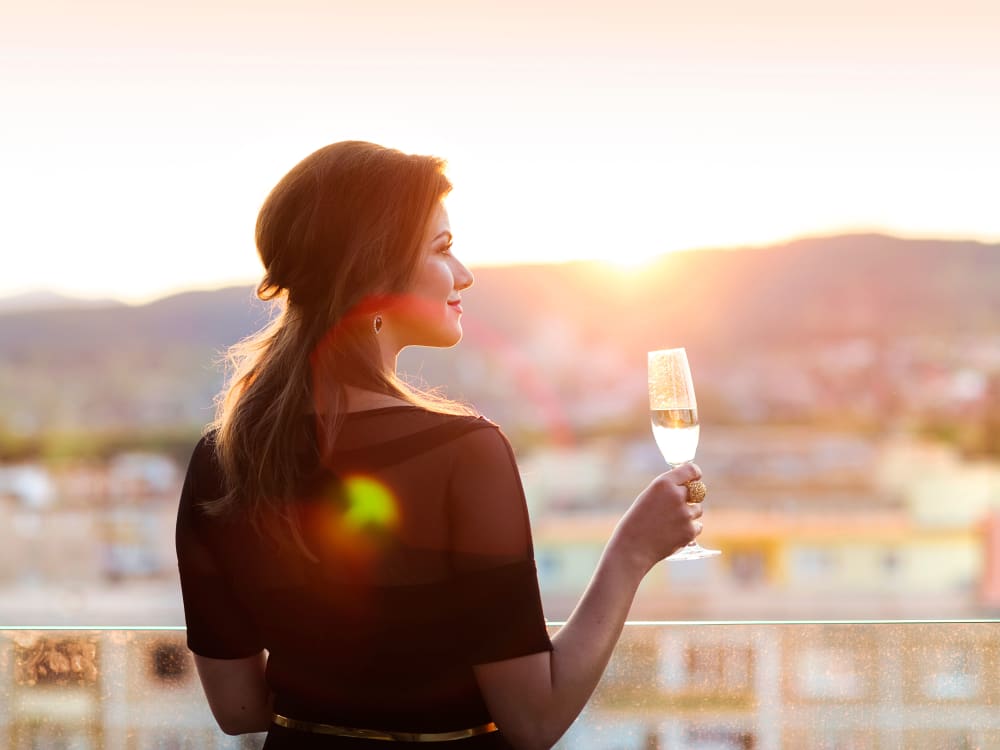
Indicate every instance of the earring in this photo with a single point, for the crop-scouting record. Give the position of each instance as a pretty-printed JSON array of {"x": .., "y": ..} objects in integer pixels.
[{"x": 377, "y": 323}]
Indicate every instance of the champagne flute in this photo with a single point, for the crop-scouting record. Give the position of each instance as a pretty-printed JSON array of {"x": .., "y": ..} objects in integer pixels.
[{"x": 675, "y": 421}]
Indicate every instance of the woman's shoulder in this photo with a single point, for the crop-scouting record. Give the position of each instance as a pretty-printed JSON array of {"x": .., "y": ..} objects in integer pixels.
[
  {"x": 473, "y": 439},
  {"x": 378, "y": 438},
  {"x": 484, "y": 437},
  {"x": 415, "y": 418},
  {"x": 203, "y": 471},
  {"x": 458, "y": 426},
  {"x": 203, "y": 453}
]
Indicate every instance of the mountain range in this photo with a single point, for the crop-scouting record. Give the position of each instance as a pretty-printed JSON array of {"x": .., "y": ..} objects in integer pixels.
[
  {"x": 43, "y": 299},
  {"x": 713, "y": 301}
]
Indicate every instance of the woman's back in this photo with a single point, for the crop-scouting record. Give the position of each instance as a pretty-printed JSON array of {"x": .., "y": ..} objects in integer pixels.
[{"x": 421, "y": 568}]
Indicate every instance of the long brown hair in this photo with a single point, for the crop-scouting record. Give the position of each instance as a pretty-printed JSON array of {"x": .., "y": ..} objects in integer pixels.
[{"x": 338, "y": 234}]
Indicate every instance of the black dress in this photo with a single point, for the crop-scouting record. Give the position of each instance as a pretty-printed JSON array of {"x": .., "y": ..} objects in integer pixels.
[{"x": 423, "y": 567}]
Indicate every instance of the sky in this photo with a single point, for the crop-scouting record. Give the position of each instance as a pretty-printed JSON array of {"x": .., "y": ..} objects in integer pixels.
[{"x": 138, "y": 139}]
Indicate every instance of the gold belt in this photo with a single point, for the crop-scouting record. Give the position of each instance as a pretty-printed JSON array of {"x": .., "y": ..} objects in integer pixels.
[{"x": 381, "y": 734}]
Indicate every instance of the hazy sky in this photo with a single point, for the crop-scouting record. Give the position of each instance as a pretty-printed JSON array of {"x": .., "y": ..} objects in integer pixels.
[{"x": 138, "y": 139}]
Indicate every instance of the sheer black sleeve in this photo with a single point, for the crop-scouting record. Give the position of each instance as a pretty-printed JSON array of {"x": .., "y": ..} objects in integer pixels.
[
  {"x": 218, "y": 626},
  {"x": 492, "y": 552}
]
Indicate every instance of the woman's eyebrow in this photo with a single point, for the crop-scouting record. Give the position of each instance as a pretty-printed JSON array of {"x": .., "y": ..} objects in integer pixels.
[{"x": 442, "y": 234}]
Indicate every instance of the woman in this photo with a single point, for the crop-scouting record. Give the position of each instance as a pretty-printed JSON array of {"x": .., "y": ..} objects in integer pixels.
[{"x": 355, "y": 556}]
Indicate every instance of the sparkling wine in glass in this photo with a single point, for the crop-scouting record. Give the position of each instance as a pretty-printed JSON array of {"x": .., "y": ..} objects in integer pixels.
[{"x": 674, "y": 413}]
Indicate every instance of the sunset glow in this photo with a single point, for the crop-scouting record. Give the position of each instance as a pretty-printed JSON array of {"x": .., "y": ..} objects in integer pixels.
[{"x": 142, "y": 138}]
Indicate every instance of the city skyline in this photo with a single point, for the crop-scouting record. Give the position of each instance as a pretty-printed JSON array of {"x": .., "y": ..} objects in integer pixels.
[{"x": 144, "y": 138}]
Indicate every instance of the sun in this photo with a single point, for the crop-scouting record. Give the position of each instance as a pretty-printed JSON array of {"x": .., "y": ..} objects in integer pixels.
[{"x": 632, "y": 262}]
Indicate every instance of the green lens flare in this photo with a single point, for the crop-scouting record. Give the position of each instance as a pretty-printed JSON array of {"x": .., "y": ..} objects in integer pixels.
[{"x": 370, "y": 504}]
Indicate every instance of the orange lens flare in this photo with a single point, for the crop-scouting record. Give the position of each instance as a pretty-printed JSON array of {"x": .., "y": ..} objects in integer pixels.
[{"x": 358, "y": 515}]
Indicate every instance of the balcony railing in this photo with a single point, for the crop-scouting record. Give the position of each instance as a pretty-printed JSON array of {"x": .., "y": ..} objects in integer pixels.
[{"x": 683, "y": 686}]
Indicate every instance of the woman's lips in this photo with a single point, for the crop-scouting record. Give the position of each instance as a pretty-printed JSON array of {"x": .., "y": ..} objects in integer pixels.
[{"x": 457, "y": 306}]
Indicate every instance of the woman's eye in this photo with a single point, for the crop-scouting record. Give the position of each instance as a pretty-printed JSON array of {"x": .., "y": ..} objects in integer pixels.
[{"x": 446, "y": 250}]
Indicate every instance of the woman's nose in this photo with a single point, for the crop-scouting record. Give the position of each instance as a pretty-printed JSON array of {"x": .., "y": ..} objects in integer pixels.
[{"x": 463, "y": 278}]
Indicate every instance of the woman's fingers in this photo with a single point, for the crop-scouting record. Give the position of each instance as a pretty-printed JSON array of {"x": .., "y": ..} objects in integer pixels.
[
  {"x": 685, "y": 473},
  {"x": 663, "y": 518}
]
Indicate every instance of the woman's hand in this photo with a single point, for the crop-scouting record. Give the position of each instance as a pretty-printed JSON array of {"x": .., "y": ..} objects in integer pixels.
[{"x": 660, "y": 521}]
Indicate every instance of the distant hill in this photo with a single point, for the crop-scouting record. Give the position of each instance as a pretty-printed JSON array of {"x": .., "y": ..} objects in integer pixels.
[
  {"x": 834, "y": 287},
  {"x": 154, "y": 363},
  {"x": 203, "y": 319},
  {"x": 45, "y": 300}
]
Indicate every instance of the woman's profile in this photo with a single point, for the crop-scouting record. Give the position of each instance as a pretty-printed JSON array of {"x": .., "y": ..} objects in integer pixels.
[{"x": 355, "y": 555}]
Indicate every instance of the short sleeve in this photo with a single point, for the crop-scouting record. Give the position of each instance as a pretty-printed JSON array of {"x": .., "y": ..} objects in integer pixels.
[
  {"x": 218, "y": 626},
  {"x": 500, "y": 603}
]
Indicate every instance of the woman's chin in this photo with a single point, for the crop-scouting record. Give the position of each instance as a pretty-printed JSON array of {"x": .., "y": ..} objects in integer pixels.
[
  {"x": 440, "y": 339},
  {"x": 452, "y": 338}
]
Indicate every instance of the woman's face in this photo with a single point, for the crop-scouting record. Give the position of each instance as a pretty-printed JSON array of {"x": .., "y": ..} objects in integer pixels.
[{"x": 430, "y": 313}]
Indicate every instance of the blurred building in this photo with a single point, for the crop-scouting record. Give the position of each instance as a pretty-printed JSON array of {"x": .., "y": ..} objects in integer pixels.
[
  {"x": 811, "y": 525},
  {"x": 99, "y": 549}
]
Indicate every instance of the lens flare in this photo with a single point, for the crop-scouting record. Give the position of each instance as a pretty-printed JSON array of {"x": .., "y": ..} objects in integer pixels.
[
  {"x": 355, "y": 519},
  {"x": 370, "y": 505}
]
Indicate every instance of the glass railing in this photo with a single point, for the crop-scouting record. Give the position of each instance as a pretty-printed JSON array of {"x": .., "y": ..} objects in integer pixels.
[{"x": 684, "y": 686}]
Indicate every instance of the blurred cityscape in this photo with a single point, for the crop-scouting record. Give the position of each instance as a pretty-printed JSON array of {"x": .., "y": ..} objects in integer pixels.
[
  {"x": 851, "y": 448},
  {"x": 863, "y": 514}
]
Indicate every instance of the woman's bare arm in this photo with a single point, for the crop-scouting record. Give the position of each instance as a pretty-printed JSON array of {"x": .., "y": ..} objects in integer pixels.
[
  {"x": 237, "y": 692},
  {"x": 535, "y": 698}
]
